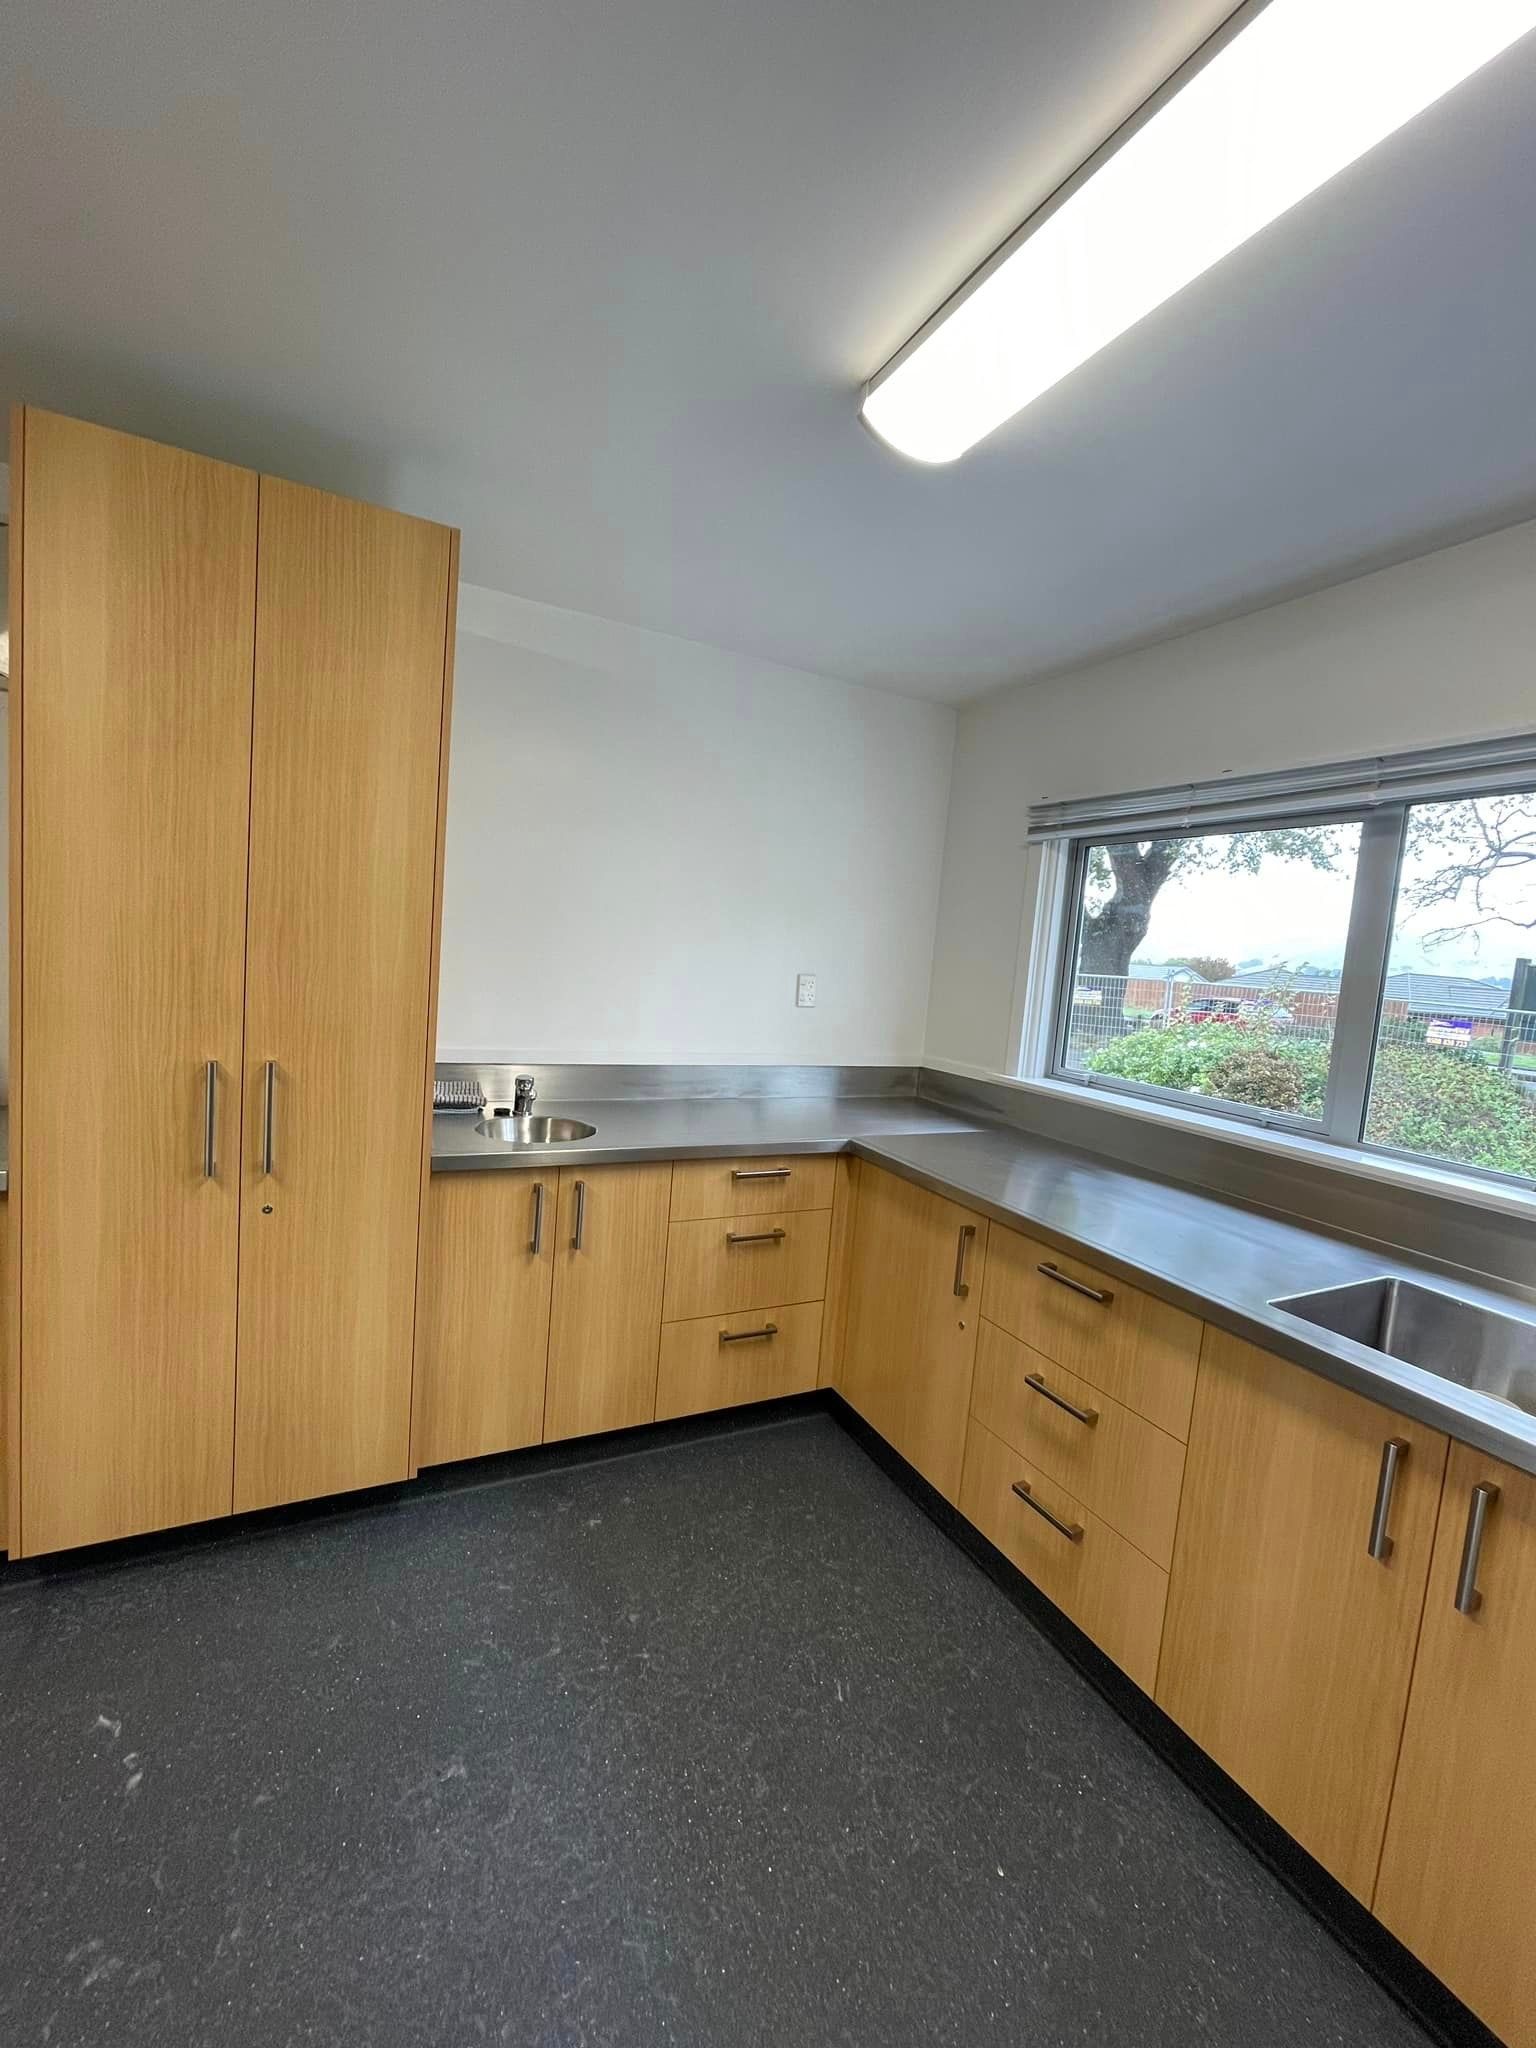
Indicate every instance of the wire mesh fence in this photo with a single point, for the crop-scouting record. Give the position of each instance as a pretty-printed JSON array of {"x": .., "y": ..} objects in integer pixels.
[{"x": 1107, "y": 1008}]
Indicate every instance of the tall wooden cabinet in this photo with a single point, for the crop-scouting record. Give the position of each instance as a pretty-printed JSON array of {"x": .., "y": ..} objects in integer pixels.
[
  {"x": 351, "y": 638},
  {"x": 228, "y": 711},
  {"x": 132, "y": 724}
]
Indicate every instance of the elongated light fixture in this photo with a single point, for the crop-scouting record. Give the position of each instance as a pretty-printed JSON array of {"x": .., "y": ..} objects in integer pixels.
[{"x": 1298, "y": 93}]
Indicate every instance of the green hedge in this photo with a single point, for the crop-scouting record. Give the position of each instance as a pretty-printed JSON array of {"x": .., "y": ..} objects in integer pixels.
[{"x": 1446, "y": 1102}]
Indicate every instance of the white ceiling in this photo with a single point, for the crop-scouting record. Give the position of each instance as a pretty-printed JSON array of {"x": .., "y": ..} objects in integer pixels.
[{"x": 599, "y": 283}]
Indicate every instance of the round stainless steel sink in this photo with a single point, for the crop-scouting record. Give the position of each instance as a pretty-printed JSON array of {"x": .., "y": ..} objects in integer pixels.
[{"x": 533, "y": 1130}]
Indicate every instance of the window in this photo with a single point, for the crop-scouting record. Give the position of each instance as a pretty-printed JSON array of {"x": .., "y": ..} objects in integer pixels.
[{"x": 1358, "y": 971}]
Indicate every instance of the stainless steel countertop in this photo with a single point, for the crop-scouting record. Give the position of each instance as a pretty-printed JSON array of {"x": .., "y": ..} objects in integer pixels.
[
  {"x": 1208, "y": 1254},
  {"x": 1213, "y": 1257},
  {"x": 696, "y": 1128}
]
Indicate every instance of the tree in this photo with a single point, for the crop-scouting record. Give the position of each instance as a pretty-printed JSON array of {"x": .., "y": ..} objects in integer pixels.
[
  {"x": 1124, "y": 880},
  {"x": 1480, "y": 853},
  {"x": 1209, "y": 966}
]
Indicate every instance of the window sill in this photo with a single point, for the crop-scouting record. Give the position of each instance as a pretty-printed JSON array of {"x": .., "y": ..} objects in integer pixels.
[{"x": 1426, "y": 1179}]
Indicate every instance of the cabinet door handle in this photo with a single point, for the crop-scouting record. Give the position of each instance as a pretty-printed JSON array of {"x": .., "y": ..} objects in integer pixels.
[
  {"x": 761, "y": 1172},
  {"x": 211, "y": 1121},
  {"x": 1055, "y": 1273},
  {"x": 1393, "y": 1452},
  {"x": 269, "y": 1121},
  {"x": 754, "y": 1237},
  {"x": 1073, "y": 1531},
  {"x": 580, "y": 1230},
  {"x": 748, "y": 1336},
  {"x": 1087, "y": 1416},
  {"x": 962, "y": 1246},
  {"x": 1468, "y": 1598},
  {"x": 536, "y": 1245}
]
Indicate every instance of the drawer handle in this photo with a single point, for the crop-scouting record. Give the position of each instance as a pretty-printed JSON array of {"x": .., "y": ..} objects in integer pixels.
[
  {"x": 536, "y": 1243},
  {"x": 1077, "y": 1286},
  {"x": 1087, "y": 1416},
  {"x": 1073, "y": 1531},
  {"x": 761, "y": 1172},
  {"x": 748, "y": 1336},
  {"x": 754, "y": 1237},
  {"x": 1393, "y": 1452},
  {"x": 1468, "y": 1598},
  {"x": 963, "y": 1245}
]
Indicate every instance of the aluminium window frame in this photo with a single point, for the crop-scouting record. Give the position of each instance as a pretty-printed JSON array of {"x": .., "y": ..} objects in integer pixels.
[{"x": 1357, "y": 1018}]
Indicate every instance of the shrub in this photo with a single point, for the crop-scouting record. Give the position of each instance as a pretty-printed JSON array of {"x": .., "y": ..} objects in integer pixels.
[
  {"x": 1448, "y": 1102},
  {"x": 1261, "y": 1076}
]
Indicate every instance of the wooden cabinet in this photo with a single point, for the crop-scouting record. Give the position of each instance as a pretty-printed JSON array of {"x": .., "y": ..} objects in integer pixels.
[
  {"x": 726, "y": 1361},
  {"x": 1140, "y": 1350},
  {"x": 1111, "y": 1590},
  {"x": 1456, "y": 1883},
  {"x": 750, "y": 1187},
  {"x": 1288, "y": 1647},
  {"x": 131, "y": 728},
  {"x": 353, "y": 611},
  {"x": 917, "y": 1273},
  {"x": 610, "y": 1260},
  {"x": 483, "y": 1329},
  {"x": 227, "y": 706},
  {"x": 742, "y": 1262}
]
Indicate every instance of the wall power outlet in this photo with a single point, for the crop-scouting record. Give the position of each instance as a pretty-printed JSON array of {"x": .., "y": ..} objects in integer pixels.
[{"x": 805, "y": 991}]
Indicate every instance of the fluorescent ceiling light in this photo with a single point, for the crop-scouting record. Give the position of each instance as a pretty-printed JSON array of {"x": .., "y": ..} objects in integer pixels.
[{"x": 1300, "y": 92}]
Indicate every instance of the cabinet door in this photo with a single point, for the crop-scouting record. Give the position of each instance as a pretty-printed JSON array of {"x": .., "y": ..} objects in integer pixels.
[
  {"x": 610, "y": 1262},
  {"x": 1456, "y": 1882},
  {"x": 482, "y": 1337},
  {"x": 1288, "y": 1646},
  {"x": 132, "y": 711},
  {"x": 353, "y": 610},
  {"x": 917, "y": 1270}
]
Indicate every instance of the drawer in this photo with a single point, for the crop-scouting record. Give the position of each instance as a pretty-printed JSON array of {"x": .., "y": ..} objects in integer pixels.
[
  {"x": 1125, "y": 1343},
  {"x": 1126, "y": 1469},
  {"x": 1114, "y": 1593},
  {"x": 733, "y": 1262},
  {"x": 751, "y": 1187},
  {"x": 724, "y": 1361}
]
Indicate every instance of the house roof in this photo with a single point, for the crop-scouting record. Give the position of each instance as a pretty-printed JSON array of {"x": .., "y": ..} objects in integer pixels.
[{"x": 1457, "y": 994}]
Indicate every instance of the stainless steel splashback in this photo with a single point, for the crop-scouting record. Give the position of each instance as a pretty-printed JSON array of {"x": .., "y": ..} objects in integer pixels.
[
  {"x": 1454, "y": 1234},
  {"x": 666, "y": 1084}
]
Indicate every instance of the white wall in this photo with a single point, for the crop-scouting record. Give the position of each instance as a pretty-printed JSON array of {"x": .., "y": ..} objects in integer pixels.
[
  {"x": 1439, "y": 649},
  {"x": 648, "y": 839}
]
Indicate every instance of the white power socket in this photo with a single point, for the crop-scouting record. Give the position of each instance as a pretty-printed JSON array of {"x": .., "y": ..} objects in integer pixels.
[{"x": 805, "y": 991}]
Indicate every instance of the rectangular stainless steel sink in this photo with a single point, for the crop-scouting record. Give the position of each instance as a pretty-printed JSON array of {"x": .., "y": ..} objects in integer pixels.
[{"x": 1475, "y": 1347}]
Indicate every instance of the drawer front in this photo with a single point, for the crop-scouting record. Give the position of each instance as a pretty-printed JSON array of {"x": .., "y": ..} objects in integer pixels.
[
  {"x": 727, "y": 1263},
  {"x": 751, "y": 1187},
  {"x": 1107, "y": 1586},
  {"x": 1126, "y": 1469},
  {"x": 726, "y": 1361},
  {"x": 1125, "y": 1343}
]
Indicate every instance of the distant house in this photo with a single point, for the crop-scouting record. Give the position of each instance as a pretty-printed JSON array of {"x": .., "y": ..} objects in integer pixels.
[{"x": 1452, "y": 1005}]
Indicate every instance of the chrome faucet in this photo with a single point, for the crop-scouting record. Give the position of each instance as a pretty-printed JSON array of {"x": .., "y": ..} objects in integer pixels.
[{"x": 524, "y": 1094}]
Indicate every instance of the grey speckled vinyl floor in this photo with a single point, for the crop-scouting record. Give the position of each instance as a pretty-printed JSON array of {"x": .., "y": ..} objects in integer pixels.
[{"x": 722, "y": 1743}]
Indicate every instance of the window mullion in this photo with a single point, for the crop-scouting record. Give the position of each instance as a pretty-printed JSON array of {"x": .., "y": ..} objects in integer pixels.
[{"x": 1364, "y": 975}]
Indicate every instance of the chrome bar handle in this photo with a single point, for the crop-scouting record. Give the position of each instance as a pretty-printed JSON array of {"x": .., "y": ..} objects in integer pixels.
[
  {"x": 748, "y": 1336},
  {"x": 1087, "y": 1416},
  {"x": 1468, "y": 1598},
  {"x": 1393, "y": 1452},
  {"x": 754, "y": 1237},
  {"x": 1077, "y": 1286},
  {"x": 962, "y": 1246},
  {"x": 580, "y": 1230},
  {"x": 536, "y": 1245},
  {"x": 211, "y": 1121},
  {"x": 761, "y": 1172},
  {"x": 269, "y": 1122},
  {"x": 1073, "y": 1531}
]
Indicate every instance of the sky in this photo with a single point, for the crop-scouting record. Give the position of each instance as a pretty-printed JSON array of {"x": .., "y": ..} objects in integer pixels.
[{"x": 1289, "y": 913}]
